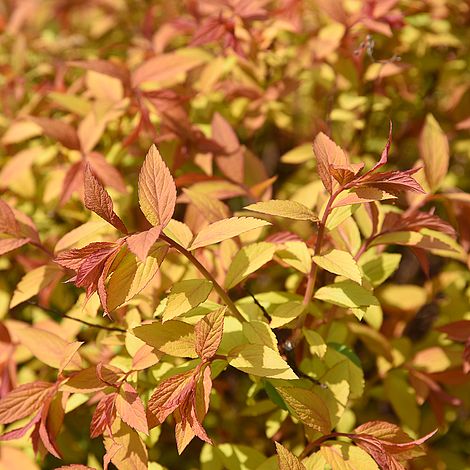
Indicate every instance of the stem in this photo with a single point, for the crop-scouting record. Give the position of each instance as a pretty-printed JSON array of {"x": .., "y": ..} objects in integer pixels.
[
  {"x": 312, "y": 277},
  {"x": 84, "y": 322},
  {"x": 311, "y": 445},
  {"x": 219, "y": 289}
]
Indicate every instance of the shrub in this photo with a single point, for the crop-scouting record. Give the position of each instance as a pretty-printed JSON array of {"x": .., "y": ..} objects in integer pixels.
[{"x": 187, "y": 283}]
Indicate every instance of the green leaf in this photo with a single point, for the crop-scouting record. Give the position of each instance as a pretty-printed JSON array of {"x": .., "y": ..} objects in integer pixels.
[
  {"x": 341, "y": 263},
  {"x": 346, "y": 294},
  {"x": 184, "y": 296},
  {"x": 282, "y": 208},
  {"x": 260, "y": 360},
  {"x": 249, "y": 259}
]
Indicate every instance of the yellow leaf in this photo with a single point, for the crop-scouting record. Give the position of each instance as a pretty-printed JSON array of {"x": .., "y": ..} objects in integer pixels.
[
  {"x": 297, "y": 255},
  {"x": 316, "y": 342},
  {"x": 172, "y": 337},
  {"x": 132, "y": 275},
  {"x": 157, "y": 190},
  {"x": 185, "y": 295},
  {"x": 179, "y": 232},
  {"x": 434, "y": 151},
  {"x": 380, "y": 267},
  {"x": 285, "y": 313},
  {"x": 257, "y": 332},
  {"x": 287, "y": 460},
  {"x": 346, "y": 456},
  {"x": 341, "y": 263},
  {"x": 260, "y": 360},
  {"x": 289, "y": 209},
  {"x": 33, "y": 282},
  {"x": 299, "y": 154},
  {"x": 249, "y": 259},
  {"x": 50, "y": 348},
  {"x": 210, "y": 207},
  {"x": 224, "y": 229},
  {"x": 346, "y": 294},
  {"x": 308, "y": 407}
]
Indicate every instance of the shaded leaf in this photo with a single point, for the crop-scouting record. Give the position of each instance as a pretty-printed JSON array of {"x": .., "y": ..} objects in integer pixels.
[
  {"x": 208, "y": 332},
  {"x": 130, "y": 408},
  {"x": 289, "y": 209}
]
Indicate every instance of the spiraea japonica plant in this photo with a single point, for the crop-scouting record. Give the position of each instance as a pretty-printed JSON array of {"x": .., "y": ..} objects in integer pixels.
[{"x": 216, "y": 253}]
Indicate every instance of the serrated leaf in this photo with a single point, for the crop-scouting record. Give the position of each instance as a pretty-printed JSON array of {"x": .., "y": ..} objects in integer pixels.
[
  {"x": 434, "y": 151},
  {"x": 249, "y": 259},
  {"x": 23, "y": 401},
  {"x": 339, "y": 262},
  {"x": 345, "y": 456},
  {"x": 289, "y": 209},
  {"x": 257, "y": 332},
  {"x": 260, "y": 360},
  {"x": 225, "y": 229},
  {"x": 287, "y": 460},
  {"x": 308, "y": 407},
  {"x": 185, "y": 295},
  {"x": 157, "y": 189},
  {"x": 208, "y": 332},
  {"x": 130, "y": 408}
]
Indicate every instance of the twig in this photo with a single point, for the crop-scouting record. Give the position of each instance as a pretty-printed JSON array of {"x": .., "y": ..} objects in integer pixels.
[{"x": 84, "y": 322}]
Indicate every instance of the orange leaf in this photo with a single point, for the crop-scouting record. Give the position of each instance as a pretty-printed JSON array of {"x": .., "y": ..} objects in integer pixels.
[
  {"x": 208, "y": 333},
  {"x": 157, "y": 189},
  {"x": 140, "y": 243},
  {"x": 130, "y": 408}
]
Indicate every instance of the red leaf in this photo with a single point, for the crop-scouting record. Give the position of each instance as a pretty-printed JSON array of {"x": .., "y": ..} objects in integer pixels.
[
  {"x": 20, "y": 432},
  {"x": 99, "y": 201},
  {"x": 415, "y": 222},
  {"x": 103, "y": 416},
  {"x": 73, "y": 181},
  {"x": 60, "y": 131},
  {"x": 105, "y": 67},
  {"x": 23, "y": 401},
  {"x": 10, "y": 244},
  {"x": 8, "y": 223},
  {"x": 390, "y": 181},
  {"x": 457, "y": 331},
  {"x": 130, "y": 408}
]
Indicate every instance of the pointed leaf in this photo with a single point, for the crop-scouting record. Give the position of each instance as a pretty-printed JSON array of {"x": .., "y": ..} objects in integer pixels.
[
  {"x": 346, "y": 294},
  {"x": 225, "y": 229},
  {"x": 157, "y": 189},
  {"x": 287, "y": 460},
  {"x": 289, "y": 209},
  {"x": 208, "y": 332},
  {"x": 141, "y": 243},
  {"x": 130, "y": 408},
  {"x": 341, "y": 263}
]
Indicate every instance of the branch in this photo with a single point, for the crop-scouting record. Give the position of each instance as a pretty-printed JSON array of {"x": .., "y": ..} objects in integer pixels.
[
  {"x": 219, "y": 289},
  {"x": 64, "y": 315}
]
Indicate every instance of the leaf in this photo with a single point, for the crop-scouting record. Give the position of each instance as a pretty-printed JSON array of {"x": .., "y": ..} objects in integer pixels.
[
  {"x": 341, "y": 263},
  {"x": 208, "y": 332},
  {"x": 391, "y": 182},
  {"x": 260, "y": 360},
  {"x": 23, "y": 401},
  {"x": 10, "y": 244},
  {"x": 157, "y": 189},
  {"x": 287, "y": 460},
  {"x": 457, "y": 331},
  {"x": 48, "y": 347},
  {"x": 211, "y": 208},
  {"x": 344, "y": 456},
  {"x": 166, "y": 66},
  {"x": 132, "y": 275},
  {"x": 185, "y": 295},
  {"x": 179, "y": 232},
  {"x": 172, "y": 337},
  {"x": 297, "y": 255},
  {"x": 33, "y": 282},
  {"x": 130, "y": 408},
  {"x": 299, "y": 154},
  {"x": 141, "y": 243},
  {"x": 434, "y": 151},
  {"x": 308, "y": 407},
  {"x": 316, "y": 342},
  {"x": 248, "y": 260},
  {"x": 289, "y": 209},
  {"x": 99, "y": 201},
  {"x": 225, "y": 229},
  {"x": 381, "y": 267},
  {"x": 285, "y": 313},
  {"x": 59, "y": 130},
  {"x": 346, "y": 294},
  {"x": 130, "y": 452},
  {"x": 327, "y": 153},
  {"x": 104, "y": 415}
]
